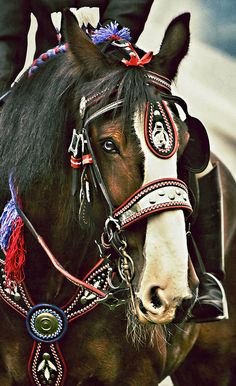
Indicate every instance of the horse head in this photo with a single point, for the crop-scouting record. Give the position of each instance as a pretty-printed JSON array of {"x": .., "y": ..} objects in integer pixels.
[{"x": 122, "y": 106}]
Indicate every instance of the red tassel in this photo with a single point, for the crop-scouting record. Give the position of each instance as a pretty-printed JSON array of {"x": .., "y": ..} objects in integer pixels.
[{"x": 15, "y": 255}]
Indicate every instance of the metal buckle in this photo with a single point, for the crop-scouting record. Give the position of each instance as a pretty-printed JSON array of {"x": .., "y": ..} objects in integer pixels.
[
  {"x": 74, "y": 145},
  {"x": 115, "y": 298},
  {"x": 77, "y": 141}
]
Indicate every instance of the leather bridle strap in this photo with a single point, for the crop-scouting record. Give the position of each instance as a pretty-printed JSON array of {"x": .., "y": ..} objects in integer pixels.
[
  {"x": 157, "y": 196},
  {"x": 95, "y": 167},
  {"x": 53, "y": 259}
]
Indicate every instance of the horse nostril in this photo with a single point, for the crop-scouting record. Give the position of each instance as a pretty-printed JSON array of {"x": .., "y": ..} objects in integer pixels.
[
  {"x": 155, "y": 299},
  {"x": 141, "y": 307}
]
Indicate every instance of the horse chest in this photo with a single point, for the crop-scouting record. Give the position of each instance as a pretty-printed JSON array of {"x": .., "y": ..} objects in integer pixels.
[{"x": 95, "y": 350}]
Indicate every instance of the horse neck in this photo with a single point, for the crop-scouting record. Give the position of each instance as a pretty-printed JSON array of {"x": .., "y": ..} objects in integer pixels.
[{"x": 69, "y": 244}]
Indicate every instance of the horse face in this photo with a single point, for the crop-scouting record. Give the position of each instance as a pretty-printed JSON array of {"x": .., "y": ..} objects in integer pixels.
[
  {"x": 158, "y": 244},
  {"x": 163, "y": 282}
]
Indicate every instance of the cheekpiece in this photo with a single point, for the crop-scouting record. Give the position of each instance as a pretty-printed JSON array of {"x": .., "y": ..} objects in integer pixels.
[{"x": 161, "y": 133}]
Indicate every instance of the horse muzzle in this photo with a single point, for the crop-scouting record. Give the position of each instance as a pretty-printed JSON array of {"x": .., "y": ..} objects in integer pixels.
[{"x": 159, "y": 310}]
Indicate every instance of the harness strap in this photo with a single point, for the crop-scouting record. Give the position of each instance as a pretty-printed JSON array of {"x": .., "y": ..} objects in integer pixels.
[
  {"x": 158, "y": 196},
  {"x": 117, "y": 103},
  {"x": 53, "y": 259}
]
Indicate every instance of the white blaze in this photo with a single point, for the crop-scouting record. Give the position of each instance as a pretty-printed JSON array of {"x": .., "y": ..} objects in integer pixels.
[{"x": 165, "y": 249}]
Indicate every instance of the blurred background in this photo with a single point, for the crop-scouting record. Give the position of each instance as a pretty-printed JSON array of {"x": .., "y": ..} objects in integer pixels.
[{"x": 206, "y": 78}]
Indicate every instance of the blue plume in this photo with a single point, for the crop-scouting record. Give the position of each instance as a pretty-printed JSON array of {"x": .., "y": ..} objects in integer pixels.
[{"x": 104, "y": 33}]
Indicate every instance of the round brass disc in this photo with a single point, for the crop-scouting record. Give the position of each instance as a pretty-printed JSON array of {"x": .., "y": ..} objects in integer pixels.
[{"x": 46, "y": 323}]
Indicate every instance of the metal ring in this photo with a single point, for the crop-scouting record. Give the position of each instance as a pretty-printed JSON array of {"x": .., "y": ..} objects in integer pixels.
[{"x": 110, "y": 221}]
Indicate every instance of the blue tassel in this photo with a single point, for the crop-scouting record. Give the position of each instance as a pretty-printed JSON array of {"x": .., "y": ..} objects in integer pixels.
[
  {"x": 8, "y": 218},
  {"x": 12, "y": 240},
  {"x": 105, "y": 33},
  {"x": 7, "y": 221}
]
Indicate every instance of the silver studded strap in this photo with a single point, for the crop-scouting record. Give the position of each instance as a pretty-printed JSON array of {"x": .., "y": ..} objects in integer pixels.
[{"x": 157, "y": 196}]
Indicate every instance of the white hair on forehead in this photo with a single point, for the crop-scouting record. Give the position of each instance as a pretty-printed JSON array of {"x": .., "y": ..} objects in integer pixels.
[{"x": 154, "y": 167}]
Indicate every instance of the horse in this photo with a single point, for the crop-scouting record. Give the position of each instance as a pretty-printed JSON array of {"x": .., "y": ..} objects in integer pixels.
[{"x": 101, "y": 308}]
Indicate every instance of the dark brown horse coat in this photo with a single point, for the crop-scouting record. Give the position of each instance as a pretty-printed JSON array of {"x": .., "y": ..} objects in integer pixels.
[{"x": 95, "y": 346}]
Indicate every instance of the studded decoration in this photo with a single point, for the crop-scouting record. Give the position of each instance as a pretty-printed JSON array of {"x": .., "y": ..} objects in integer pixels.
[
  {"x": 160, "y": 130},
  {"x": 157, "y": 196},
  {"x": 47, "y": 365},
  {"x": 46, "y": 323}
]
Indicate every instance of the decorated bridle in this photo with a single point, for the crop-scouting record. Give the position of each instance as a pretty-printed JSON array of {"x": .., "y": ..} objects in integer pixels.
[
  {"x": 159, "y": 195},
  {"x": 161, "y": 136}
]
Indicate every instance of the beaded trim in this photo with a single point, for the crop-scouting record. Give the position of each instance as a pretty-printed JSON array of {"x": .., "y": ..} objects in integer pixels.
[
  {"x": 160, "y": 130},
  {"x": 46, "y": 363},
  {"x": 154, "y": 197},
  {"x": 158, "y": 80}
]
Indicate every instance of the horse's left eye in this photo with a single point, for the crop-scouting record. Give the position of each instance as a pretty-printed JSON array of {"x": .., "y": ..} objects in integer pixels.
[{"x": 109, "y": 146}]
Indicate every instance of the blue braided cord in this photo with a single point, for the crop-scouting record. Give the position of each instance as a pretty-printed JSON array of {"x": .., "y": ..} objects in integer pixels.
[
  {"x": 8, "y": 218},
  {"x": 105, "y": 33},
  {"x": 43, "y": 58}
]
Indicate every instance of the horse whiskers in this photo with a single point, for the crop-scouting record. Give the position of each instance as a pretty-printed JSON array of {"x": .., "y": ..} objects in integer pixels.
[
  {"x": 150, "y": 334},
  {"x": 178, "y": 327},
  {"x": 143, "y": 334},
  {"x": 139, "y": 334}
]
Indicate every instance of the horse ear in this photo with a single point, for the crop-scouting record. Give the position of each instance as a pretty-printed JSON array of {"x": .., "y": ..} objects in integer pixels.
[
  {"x": 174, "y": 46},
  {"x": 84, "y": 51}
]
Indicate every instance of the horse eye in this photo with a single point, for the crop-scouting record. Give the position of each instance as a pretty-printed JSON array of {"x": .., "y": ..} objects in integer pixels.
[{"x": 109, "y": 147}]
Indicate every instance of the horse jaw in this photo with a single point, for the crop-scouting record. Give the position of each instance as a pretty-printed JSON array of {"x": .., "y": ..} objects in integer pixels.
[{"x": 164, "y": 280}]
